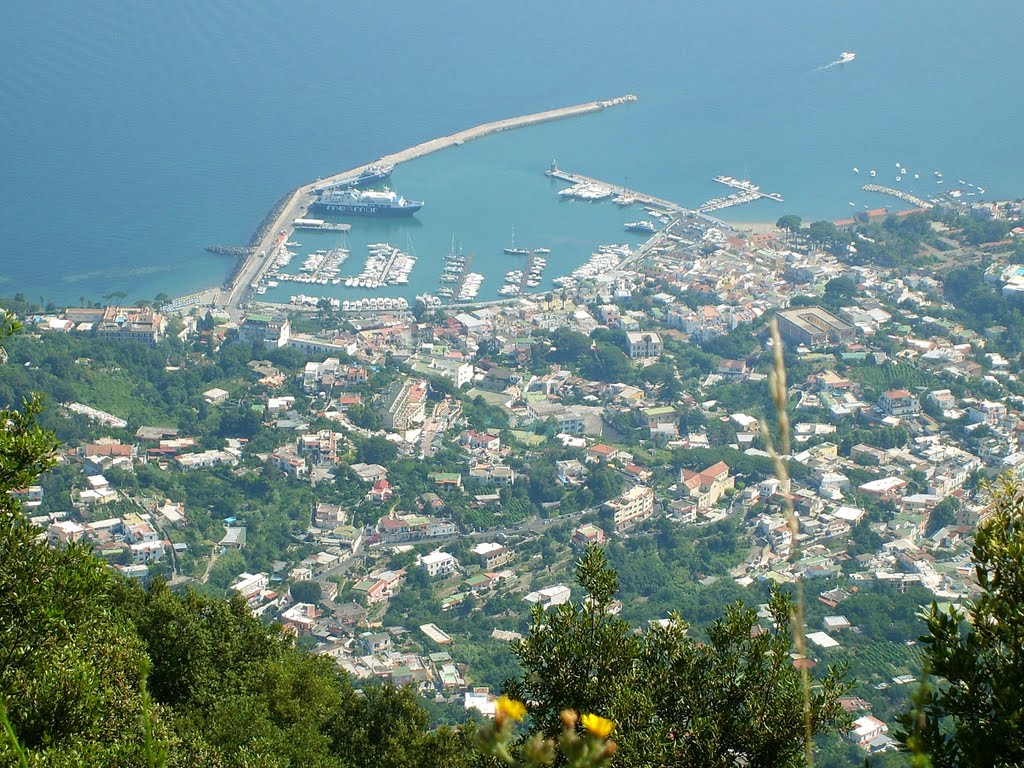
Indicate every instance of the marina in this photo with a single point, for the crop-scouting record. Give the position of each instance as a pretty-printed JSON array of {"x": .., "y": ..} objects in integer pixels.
[
  {"x": 247, "y": 279},
  {"x": 386, "y": 265}
]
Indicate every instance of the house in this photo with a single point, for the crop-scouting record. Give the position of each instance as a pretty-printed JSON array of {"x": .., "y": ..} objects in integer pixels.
[
  {"x": 480, "y": 441},
  {"x": 380, "y": 586},
  {"x": 814, "y": 327},
  {"x": 571, "y": 472},
  {"x": 288, "y": 462},
  {"x": 655, "y": 416},
  {"x": 215, "y": 396},
  {"x": 234, "y": 538},
  {"x": 322, "y": 446},
  {"x": 707, "y": 486},
  {"x": 64, "y": 532},
  {"x": 499, "y": 379},
  {"x": 492, "y": 474},
  {"x": 438, "y": 563},
  {"x": 643, "y": 344},
  {"x": 380, "y": 493},
  {"x": 898, "y": 402},
  {"x": 251, "y": 586},
  {"x": 586, "y": 535},
  {"x": 732, "y": 370},
  {"x": 492, "y": 554},
  {"x": 375, "y": 642},
  {"x": 549, "y": 596},
  {"x": 369, "y": 473},
  {"x": 300, "y": 618},
  {"x": 866, "y": 729},
  {"x": 884, "y": 488},
  {"x": 329, "y": 515},
  {"x": 631, "y": 507}
]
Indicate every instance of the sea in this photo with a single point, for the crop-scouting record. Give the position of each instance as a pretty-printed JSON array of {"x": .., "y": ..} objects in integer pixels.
[{"x": 137, "y": 132}]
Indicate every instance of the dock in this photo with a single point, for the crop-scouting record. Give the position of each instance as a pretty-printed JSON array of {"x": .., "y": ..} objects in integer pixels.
[
  {"x": 898, "y": 194},
  {"x": 669, "y": 207},
  {"x": 746, "y": 192},
  {"x": 319, "y": 225},
  {"x": 250, "y": 273}
]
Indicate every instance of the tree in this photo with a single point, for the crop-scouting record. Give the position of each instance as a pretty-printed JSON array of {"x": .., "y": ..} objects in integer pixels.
[
  {"x": 376, "y": 450},
  {"x": 971, "y": 712},
  {"x": 70, "y": 666},
  {"x": 306, "y": 592},
  {"x": 943, "y": 514},
  {"x": 677, "y": 702},
  {"x": 790, "y": 222}
]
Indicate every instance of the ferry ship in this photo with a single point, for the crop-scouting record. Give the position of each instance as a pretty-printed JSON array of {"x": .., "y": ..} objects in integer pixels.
[{"x": 367, "y": 202}]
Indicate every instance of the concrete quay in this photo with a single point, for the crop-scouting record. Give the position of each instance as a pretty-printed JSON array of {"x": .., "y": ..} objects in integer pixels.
[
  {"x": 251, "y": 272},
  {"x": 649, "y": 200}
]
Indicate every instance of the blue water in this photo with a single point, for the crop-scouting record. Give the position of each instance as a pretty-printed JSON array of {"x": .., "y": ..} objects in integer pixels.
[{"x": 135, "y": 133}]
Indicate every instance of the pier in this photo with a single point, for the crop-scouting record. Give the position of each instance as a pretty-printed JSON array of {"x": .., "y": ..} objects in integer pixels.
[
  {"x": 250, "y": 273},
  {"x": 900, "y": 195},
  {"x": 650, "y": 201}
]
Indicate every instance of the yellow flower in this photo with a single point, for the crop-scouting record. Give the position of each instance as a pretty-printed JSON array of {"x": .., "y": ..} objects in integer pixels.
[
  {"x": 505, "y": 707},
  {"x": 597, "y": 725}
]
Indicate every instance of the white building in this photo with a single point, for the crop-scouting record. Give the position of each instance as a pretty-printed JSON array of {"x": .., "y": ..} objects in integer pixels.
[
  {"x": 644, "y": 344},
  {"x": 549, "y": 596},
  {"x": 439, "y": 563}
]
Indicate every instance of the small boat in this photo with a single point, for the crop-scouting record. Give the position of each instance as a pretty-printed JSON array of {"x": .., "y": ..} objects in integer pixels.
[
  {"x": 873, "y": 172},
  {"x": 542, "y": 250},
  {"x": 856, "y": 169}
]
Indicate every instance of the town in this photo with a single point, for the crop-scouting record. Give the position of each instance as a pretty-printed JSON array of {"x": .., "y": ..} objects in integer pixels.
[{"x": 399, "y": 489}]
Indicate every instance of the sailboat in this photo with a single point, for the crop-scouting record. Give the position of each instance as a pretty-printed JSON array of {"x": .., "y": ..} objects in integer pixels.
[{"x": 512, "y": 250}]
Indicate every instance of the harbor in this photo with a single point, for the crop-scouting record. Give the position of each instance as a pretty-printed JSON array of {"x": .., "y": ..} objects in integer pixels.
[{"x": 250, "y": 273}]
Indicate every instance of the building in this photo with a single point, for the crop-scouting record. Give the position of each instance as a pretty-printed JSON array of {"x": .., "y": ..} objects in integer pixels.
[
  {"x": 569, "y": 420},
  {"x": 633, "y": 506},
  {"x": 404, "y": 404},
  {"x": 586, "y": 535},
  {"x": 898, "y": 402},
  {"x": 492, "y": 554},
  {"x": 438, "y": 563},
  {"x": 317, "y": 377},
  {"x": 866, "y": 729},
  {"x": 549, "y": 596},
  {"x": 267, "y": 329},
  {"x": 205, "y": 459},
  {"x": 131, "y": 324},
  {"x": 234, "y": 538},
  {"x": 706, "y": 487},
  {"x": 492, "y": 474},
  {"x": 251, "y": 585},
  {"x": 814, "y": 327},
  {"x": 644, "y": 344}
]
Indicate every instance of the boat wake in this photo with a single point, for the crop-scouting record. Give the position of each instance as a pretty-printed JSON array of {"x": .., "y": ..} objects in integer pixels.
[{"x": 845, "y": 58}]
